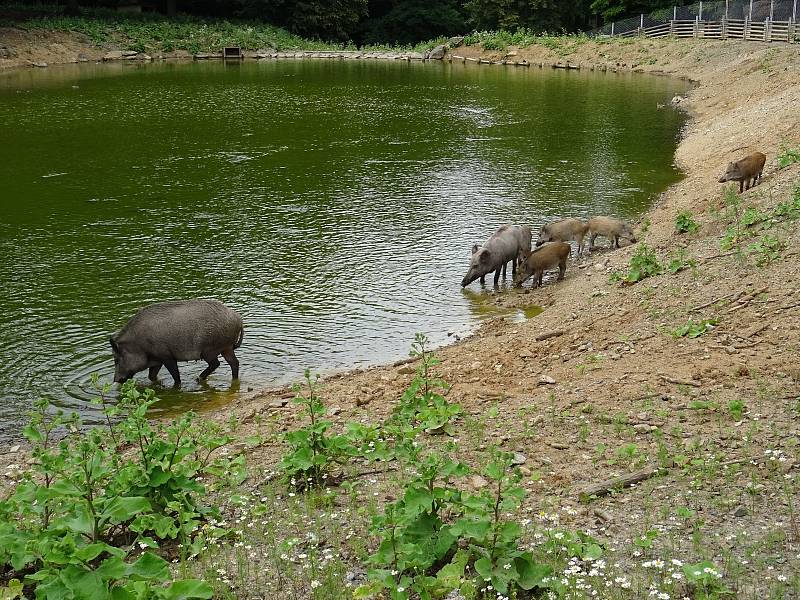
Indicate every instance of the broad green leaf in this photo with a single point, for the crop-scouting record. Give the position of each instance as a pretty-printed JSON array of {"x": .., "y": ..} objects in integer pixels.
[
  {"x": 185, "y": 589},
  {"x": 530, "y": 572},
  {"x": 83, "y": 583},
  {"x": 53, "y": 589},
  {"x": 82, "y": 521},
  {"x": 112, "y": 568},
  {"x": 122, "y": 509},
  {"x": 32, "y": 433},
  {"x": 92, "y": 551},
  {"x": 592, "y": 552},
  {"x": 417, "y": 500},
  {"x": 149, "y": 566}
]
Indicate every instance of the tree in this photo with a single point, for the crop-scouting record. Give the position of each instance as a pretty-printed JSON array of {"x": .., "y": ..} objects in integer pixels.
[
  {"x": 332, "y": 19},
  {"x": 537, "y": 15},
  {"x": 409, "y": 21}
]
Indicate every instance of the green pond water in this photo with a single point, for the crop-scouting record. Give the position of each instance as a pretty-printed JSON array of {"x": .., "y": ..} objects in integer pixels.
[{"x": 332, "y": 203}]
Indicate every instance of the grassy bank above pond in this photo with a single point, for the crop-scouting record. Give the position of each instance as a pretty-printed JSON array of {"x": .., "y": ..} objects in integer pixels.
[{"x": 147, "y": 32}]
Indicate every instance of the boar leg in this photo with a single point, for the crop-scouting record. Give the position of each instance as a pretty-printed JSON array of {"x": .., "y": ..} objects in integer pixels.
[
  {"x": 615, "y": 242},
  {"x": 231, "y": 359},
  {"x": 213, "y": 363},
  {"x": 562, "y": 268},
  {"x": 592, "y": 238},
  {"x": 497, "y": 276},
  {"x": 741, "y": 186},
  {"x": 153, "y": 372},
  {"x": 172, "y": 367},
  {"x": 483, "y": 280}
]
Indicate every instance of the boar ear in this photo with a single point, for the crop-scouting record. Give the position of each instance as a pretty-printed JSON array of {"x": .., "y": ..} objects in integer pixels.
[
  {"x": 485, "y": 256},
  {"x": 474, "y": 248}
]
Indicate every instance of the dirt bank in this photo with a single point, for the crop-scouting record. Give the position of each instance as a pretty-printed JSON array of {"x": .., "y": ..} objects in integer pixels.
[
  {"x": 611, "y": 382},
  {"x": 596, "y": 386}
]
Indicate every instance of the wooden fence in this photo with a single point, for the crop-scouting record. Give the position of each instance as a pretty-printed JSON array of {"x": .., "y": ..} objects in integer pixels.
[
  {"x": 762, "y": 31},
  {"x": 758, "y": 22}
]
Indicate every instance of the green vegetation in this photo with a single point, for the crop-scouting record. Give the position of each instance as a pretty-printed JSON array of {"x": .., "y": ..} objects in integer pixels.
[
  {"x": 685, "y": 223},
  {"x": 748, "y": 223},
  {"x": 503, "y": 38},
  {"x": 693, "y": 329},
  {"x": 643, "y": 264},
  {"x": 85, "y": 522},
  {"x": 154, "y": 33},
  {"x": 680, "y": 261},
  {"x": 788, "y": 156}
]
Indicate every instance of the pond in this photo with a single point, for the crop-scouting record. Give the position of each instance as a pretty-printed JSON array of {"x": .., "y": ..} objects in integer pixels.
[{"x": 332, "y": 203}]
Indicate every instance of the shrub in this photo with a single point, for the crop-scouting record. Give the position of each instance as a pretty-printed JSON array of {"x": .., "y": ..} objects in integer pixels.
[
  {"x": 643, "y": 264},
  {"x": 77, "y": 525},
  {"x": 685, "y": 223},
  {"x": 693, "y": 329}
]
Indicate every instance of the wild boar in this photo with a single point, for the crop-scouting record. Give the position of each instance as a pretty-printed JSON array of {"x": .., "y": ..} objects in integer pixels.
[
  {"x": 564, "y": 231},
  {"x": 611, "y": 228},
  {"x": 167, "y": 332},
  {"x": 504, "y": 246},
  {"x": 540, "y": 260},
  {"x": 745, "y": 170}
]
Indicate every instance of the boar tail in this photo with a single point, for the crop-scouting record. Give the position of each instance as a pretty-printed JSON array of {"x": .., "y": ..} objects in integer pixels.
[{"x": 238, "y": 342}]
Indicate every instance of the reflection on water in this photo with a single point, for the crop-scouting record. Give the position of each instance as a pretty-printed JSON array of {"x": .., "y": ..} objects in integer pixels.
[{"x": 333, "y": 204}]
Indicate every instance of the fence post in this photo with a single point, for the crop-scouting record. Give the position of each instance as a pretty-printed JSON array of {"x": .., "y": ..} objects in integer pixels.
[
  {"x": 700, "y": 14},
  {"x": 746, "y": 28},
  {"x": 767, "y": 33},
  {"x": 675, "y": 12},
  {"x": 726, "y": 10},
  {"x": 641, "y": 25},
  {"x": 750, "y": 16},
  {"x": 612, "y": 29},
  {"x": 794, "y": 11}
]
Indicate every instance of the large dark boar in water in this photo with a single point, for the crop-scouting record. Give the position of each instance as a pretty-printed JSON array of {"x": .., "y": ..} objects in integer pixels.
[
  {"x": 168, "y": 332},
  {"x": 504, "y": 246},
  {"x": 744, "y": 170}
]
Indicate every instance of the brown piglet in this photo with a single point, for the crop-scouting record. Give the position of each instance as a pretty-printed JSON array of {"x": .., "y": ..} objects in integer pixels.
[
  {"x": 545, "y": 257},
  {"x": 745, "y": 171}
]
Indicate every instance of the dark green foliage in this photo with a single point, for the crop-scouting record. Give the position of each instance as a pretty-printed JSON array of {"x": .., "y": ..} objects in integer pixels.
[
  {"x": 409, "y": 21},
  {"x": 611, "y": 10},
  {"x": 331, "y": 20},
  {"x": 379, "y": 21},
  {"x": 536, "y": 15}
]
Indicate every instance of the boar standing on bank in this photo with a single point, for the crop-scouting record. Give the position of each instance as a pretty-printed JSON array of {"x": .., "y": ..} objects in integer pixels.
[
  {"x": 504, "y": 246},
  {"x": 611, "y": 228},
  {"x": 564, "y": 231},
  {"x": 545, "y": 257},
  {"x": 168, "y": 332},
  {"x": 745, "y": 170}
]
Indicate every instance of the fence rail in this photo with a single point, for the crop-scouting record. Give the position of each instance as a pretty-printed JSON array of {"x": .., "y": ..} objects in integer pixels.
[{"x": 758, "y": 20}]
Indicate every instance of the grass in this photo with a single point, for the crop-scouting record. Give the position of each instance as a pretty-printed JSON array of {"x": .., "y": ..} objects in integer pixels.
[
  {"x": 153, "y": 33},
  {"x": 521, "y": 38}
]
